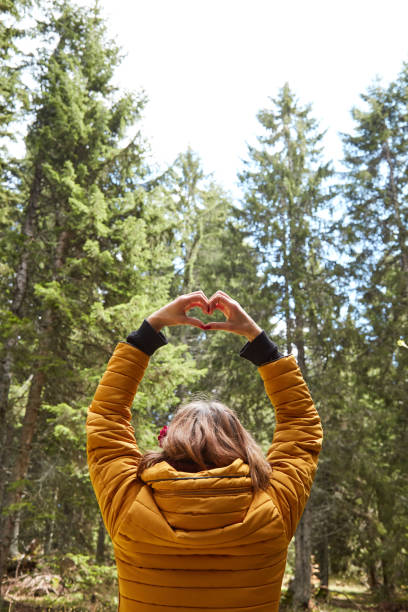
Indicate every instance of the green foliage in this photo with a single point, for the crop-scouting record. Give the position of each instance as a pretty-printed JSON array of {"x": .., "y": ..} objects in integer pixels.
[
  {"x": 375, "y": 238},
  {"x": 286, "y": 188},
  {"x": 90, "y": 244},
  {"x": 80, "y": 275},
  {"x": 69, "y": 582}
]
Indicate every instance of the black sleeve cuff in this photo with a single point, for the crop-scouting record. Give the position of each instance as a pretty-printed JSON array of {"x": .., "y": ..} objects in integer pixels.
[
  {"x": 261, "y": 350},
  {"x": 147, "y": 339}
]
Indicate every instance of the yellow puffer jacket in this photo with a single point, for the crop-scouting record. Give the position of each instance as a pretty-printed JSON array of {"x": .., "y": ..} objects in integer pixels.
[{"x": 200, "y": 542}]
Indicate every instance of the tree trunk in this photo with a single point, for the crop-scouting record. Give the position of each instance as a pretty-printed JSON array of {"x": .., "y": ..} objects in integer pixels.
[
  {"x": 372, "y": 575},
  {"x": 402, "y": 229},
  {"x": 388, "y": 586},
  {"x": 6, "y": 364},
  {"x": 33, "y": 405},
  {"x": 385, "y": 505},
  {"x": 5, "y": 381},
  {"x": 14, "y": 548},
  {"x": 50, "y": 526},
  {"x": 323, "y": 561},
  {"x": 20, "y": 470},
  {"x": 286, "y": 296},
  {"x": 6, "y": 438},
  {"x": 303, "y": 570},
  {"x": 100, "y": 545}
]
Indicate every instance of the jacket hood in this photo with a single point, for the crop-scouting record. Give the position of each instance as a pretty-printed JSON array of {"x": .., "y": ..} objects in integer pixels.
[{"x": 202, "y": 500}]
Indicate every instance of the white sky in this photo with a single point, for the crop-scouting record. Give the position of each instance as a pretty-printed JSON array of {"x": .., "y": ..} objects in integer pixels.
[{"x": 208, "y": 66}]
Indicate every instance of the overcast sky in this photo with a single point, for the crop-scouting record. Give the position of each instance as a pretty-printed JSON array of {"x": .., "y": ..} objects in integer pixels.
[{"x": 208, "y": 66}]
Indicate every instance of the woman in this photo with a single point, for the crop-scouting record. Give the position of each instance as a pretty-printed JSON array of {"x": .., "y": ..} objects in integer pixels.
[{"x": 205, "y": 524}]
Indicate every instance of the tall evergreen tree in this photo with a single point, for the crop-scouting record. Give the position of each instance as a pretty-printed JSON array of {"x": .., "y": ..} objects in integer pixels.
[
  {"x": 286, "y": 190},
  {"x": 376, "y": 239},
  {"x": 12, "y": 95},
  {"x": 87, "y": 256},
  {"x": 215, "y": 254}
]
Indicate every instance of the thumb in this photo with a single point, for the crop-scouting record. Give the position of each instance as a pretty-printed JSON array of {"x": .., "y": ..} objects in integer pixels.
[
  {"x": 222, "y": 325},
  {"x": 193, "y": 321}
]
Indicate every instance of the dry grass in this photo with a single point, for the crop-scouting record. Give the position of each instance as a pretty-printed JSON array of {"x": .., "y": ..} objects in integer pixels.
[
  {"x": 46, "y": 592},
  {"x": 348, "y": 596}
]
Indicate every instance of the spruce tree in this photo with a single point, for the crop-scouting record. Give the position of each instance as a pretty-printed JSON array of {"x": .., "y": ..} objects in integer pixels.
[
  {"x": 214, "y": 253},
  {"x": 375, "y": 230},
  {"x": 12, "y": 98},
  {"x": 286, "y": 191},
  {"x": 87, "y": 261}
]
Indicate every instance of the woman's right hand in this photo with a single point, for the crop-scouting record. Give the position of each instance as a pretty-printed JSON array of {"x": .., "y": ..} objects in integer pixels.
[{"x": 237, "y": 320}]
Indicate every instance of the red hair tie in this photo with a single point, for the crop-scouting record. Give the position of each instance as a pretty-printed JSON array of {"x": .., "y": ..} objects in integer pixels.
[{"x": 162, "y": 434}]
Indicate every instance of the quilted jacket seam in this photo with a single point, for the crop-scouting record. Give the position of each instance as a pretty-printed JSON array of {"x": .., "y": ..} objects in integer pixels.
[
  {"x": 190, "y": 609},
  {"x": 233, "y": 541},
  {"x": 212, "y": 587},
  {"x": 114, "y": 387},
  {"x": 122, "y": 374}
]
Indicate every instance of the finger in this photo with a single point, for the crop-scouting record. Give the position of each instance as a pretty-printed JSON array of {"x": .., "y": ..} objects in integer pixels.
[
  {"x": 202, "y": 295},
  {"x": 212, "y": 302},
  {"x": 195, "y": 294},
  {"x": 198, "y": 292},
  {"x": 215, "y": 294},
  {"x": 224, "y": 294},
  {"x": 196, "y": 300},
  {"x": 220, "y": 292},
  {"x": 215, "y": 305},
  {"x": 229, "y": 299},
  {"x": 219, "y": 325},
  {"x": 193, "y": 321},
  {"x": 219, "y": 301}
]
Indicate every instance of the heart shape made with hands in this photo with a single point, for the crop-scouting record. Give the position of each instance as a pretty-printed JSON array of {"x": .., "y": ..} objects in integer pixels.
[
  {"x": 235, "y": 319},
  {"x": 208, "y": 318},
  {"x": 209, "y": 307}
]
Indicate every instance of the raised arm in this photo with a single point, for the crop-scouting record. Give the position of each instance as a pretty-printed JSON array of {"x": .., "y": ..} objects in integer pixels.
[
  {"x": 113, "y": 454},
  {"x": 297, "y": 439},
  {"x": 298, "y": 435}
]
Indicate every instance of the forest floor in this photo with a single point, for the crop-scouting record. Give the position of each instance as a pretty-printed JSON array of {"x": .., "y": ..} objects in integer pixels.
[
  {"x": 348, "y": 596},
  {"x": 39, "y": 595}
]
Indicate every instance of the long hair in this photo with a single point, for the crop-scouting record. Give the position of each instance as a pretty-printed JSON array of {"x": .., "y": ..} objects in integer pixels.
[{"x": 210, "y": 434}]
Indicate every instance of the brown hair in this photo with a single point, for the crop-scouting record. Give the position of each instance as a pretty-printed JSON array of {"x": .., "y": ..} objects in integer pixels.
[{"x": 210, "y": 434}]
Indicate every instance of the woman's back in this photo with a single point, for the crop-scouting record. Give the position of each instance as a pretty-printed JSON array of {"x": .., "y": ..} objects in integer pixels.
[{"x": 200, "y": 541}]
